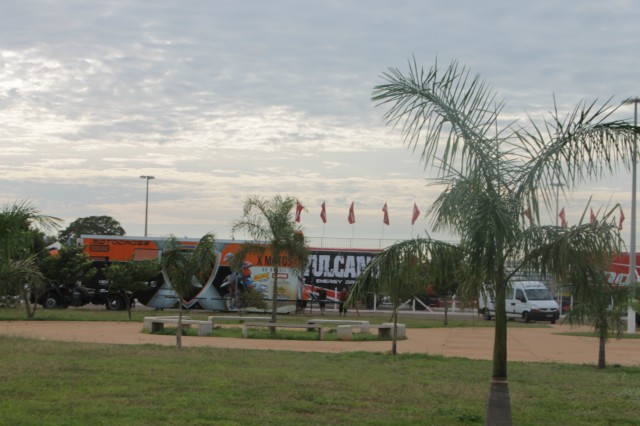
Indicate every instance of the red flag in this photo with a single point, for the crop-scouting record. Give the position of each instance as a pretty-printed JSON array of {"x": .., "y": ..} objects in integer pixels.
[
  {"x": 416, "y": 214},
  {"x": 299, "y": 208},
  {"x": 323, "y": 213},
  {"x": 621, "y": 220},
  {"x": 352, "y": 215},
  {"x": 385, "y": 219},
  {"x": 593, "y": 217},
  {"x": 563, "y": 218}
]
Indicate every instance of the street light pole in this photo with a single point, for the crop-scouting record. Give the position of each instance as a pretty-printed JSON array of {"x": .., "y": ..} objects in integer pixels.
[
  {"x": 631, "y": 314},
  {"x": 554, "y": 290},
  {"x": 146, "y": 206}
]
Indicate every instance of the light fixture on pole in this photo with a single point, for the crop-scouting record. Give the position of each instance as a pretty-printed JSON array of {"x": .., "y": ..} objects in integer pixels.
[
  {"x": 146, "y": 206},
  {"x": 631, "y": 314}
]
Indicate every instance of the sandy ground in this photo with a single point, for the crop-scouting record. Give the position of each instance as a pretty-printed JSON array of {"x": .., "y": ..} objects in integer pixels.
[{"x": 524, "y": 344}]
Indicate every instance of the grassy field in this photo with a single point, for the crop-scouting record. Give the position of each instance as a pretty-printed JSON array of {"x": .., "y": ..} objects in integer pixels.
[
  {"x": 56, "y": 383},
  {"x": 101, "y": 314}
]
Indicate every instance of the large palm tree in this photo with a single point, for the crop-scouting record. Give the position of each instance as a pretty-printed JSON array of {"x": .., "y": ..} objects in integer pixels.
[
  {"x": 491, "y": 176},
  {"x": 187, "y": 268},
  {"x": 271, "y": 225},
  {"x": 19, "y": 243}
]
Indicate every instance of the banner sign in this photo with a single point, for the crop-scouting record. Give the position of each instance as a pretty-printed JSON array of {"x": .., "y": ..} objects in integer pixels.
[{"x": 332, "y": 268}]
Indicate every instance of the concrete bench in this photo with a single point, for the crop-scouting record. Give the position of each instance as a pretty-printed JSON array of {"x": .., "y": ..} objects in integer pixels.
[
  {"x": 345, "y": 331},
  {"x": 336, "y": 322},
  {"x": 150, "y": 322},
  {"x": 271, "y": 325},
  {"x": 216, "y": 318},
  {"x": 154, "y": 324},
  {"x": 363, "y": 325}
]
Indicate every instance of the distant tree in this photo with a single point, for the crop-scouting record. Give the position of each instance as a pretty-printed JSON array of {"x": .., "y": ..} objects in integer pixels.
[
  {"x": 96, "y": 225},
  {"x": 130, "y": 277},
  {"x": 272, "y": 226},
  {"x": 184, "y": 266},
  {"x": 68, "y": 266},
  {"x": 20, "y": 244}
]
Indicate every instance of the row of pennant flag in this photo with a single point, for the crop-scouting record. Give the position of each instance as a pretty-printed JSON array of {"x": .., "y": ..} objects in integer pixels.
[
  {"x": 351, "y": 217},
  {"x": 563, "y": 218}
]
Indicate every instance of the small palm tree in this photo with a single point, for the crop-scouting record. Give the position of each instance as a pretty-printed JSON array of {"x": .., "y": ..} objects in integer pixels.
[
  {"x": 603, "y": 306},
  {"x": 19, "y": 242},
  {"x": 272, "y": 226},
  {"x": 600, "y": 303},
  {"x": 402, "y": 270},
  {"x": 185, "y": 267}
]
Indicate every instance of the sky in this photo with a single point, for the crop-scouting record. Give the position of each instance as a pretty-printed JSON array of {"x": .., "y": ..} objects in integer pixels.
[{"x": 222, "y": 100}]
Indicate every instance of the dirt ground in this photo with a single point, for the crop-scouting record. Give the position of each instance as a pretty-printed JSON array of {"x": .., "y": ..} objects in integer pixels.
[{"x": 524, "y": 344}]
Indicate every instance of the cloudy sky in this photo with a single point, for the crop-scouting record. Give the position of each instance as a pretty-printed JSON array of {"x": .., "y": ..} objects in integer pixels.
[{"x": 220, "y": 100}]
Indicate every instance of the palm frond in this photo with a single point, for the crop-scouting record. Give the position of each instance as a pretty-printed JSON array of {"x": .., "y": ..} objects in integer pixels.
[
  {"x": 429, "y": 104},
  {"x": 183, "y": 266},
  {"x": 575, "y": 255},
  {"x": 572, "y": 149},
  {"x": 406, "y": 268}
]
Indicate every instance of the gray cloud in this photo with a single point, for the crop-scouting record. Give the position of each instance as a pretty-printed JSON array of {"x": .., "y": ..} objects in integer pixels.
[{"x": 220, "y": 100}]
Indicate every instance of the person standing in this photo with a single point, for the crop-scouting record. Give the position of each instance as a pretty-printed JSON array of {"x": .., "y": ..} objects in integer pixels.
[
  {"x": 342, "y": 298},
  {"x": 322, "y": 299}
]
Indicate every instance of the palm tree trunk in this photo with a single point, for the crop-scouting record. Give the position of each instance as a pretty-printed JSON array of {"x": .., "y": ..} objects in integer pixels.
[
  {"x": 500, "y": 339},
  {"x": 394, "y": 345},
  {"x": 127, "y": 300},
  {"x": 499, "y": 404},
  {"x": 27, "y": 304},
  {"x": 446, "y": 310},
  {"x": 179, "y": 330},
  {"x": 601, "y": 351}
]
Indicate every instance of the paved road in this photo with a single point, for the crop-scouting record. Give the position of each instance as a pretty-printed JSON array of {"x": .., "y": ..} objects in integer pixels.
[{"x": 524, "y": 344}]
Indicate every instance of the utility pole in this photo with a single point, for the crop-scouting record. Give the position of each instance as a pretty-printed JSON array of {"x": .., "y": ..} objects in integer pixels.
[
  {"x": 554, "y": 291},
  {"x": 631, "y": 280},
  {"x": 146, "y": 206}
]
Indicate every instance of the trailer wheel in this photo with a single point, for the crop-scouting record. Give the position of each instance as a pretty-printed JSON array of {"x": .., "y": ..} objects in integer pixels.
[
  {"x": 52, "y": 301},
  {"x": 486, "y": 315},
  {"x": 527, "y": 317},
  {"x": 115, "y": 303}
]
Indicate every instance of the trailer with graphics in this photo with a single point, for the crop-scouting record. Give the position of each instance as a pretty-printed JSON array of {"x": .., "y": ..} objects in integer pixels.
[{"x": 331, "y": 269}]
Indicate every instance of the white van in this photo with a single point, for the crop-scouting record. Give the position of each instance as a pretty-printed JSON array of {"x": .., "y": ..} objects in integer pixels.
[{"x": 527, "y": 300}]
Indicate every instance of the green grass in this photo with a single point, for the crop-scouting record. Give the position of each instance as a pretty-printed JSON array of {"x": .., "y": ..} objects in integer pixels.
[
  {"x": 101, "y": 314},
  {"x": 56, "y": 383}
]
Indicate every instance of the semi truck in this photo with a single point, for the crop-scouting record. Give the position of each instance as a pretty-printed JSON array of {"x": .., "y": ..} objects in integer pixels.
[{"x": 328, "y": 268}]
